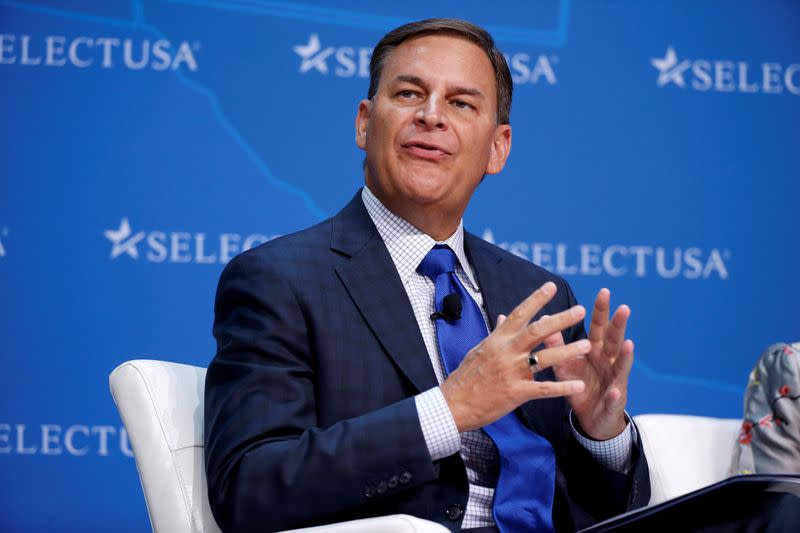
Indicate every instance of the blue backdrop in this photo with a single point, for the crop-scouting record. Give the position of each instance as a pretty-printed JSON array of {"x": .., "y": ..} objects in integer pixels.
[{"x": 145, "y": 143}]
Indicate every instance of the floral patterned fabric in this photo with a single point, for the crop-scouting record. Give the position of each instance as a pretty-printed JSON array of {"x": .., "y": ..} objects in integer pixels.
[{"x": 769, "y": 441}]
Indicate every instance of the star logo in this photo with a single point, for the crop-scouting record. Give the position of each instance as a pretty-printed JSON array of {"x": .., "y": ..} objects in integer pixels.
[
  {"x": 313, "y": 55},
  {"x": 124, "y": 240},
  {"x": 669, "y": 69}
]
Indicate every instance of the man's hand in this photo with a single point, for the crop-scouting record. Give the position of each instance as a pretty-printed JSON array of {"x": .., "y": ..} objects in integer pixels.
[
  {"x": 600, "y": 407},
  {"x": 495, "y": 377}
]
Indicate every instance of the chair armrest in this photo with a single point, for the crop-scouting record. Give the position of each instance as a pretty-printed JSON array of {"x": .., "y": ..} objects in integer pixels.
[{"x": 398, "y": 523}]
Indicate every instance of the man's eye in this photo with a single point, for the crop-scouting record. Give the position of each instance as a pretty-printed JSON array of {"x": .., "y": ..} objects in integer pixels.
[
  {"x": 461, "y": 104},
  {"x": 408, "y": 94}
]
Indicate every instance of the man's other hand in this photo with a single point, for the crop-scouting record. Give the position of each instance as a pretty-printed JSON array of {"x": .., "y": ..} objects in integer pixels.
[{"x": 600, "y": 407}]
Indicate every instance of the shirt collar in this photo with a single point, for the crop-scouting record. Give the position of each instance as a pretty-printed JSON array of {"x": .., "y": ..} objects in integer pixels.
[{"x": 407, "y": 244}]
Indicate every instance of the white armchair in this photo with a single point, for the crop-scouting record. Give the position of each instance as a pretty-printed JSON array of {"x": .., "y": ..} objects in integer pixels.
[
  {"x": 686, "y": 453},
  {"x": 161, "y": 405}
]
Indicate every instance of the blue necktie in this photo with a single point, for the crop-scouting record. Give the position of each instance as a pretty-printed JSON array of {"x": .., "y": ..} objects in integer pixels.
[{"x": 523, "y": 498}]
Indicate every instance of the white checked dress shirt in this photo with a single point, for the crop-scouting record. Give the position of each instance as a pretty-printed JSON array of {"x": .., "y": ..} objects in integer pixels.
[{"x": 407, "y": 246}]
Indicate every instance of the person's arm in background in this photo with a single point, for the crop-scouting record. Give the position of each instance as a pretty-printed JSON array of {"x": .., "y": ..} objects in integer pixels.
[{"x": 769, "y": 442}]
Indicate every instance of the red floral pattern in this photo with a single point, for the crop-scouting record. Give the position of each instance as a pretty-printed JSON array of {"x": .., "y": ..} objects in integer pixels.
[
  {"x": 746, "y": 435},
  {"x": 771, "y": 430}
]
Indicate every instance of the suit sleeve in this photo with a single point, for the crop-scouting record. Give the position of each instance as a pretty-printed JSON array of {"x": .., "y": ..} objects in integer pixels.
[
  {"x": 593, "y": 492},
  {"x": 269, "y": 465}
]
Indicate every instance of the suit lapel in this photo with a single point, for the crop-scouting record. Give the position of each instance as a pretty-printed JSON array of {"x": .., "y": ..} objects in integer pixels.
[
  {"x": 503, "y": 284},
  {"x": 486, "y": 263},
  {"x": 371, "y": 280}
]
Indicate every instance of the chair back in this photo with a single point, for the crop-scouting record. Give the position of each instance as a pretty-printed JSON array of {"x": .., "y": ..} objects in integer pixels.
[
  {"x": 685, "y": 452},
  {"x": 161, "y": 405}
]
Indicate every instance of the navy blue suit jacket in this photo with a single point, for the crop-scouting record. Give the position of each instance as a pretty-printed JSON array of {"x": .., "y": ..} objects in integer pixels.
[{"x": 309, "y": 405}]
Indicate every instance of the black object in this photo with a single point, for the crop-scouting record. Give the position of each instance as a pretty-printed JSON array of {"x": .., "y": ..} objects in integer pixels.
[
  {"x": 756, "y": 502},
  {"x": 451, "y": 308}
]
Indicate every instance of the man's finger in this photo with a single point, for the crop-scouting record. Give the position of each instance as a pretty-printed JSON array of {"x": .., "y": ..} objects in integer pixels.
[
  {"x": 561, "y": 354},
  {"x": 556, "y": 339},
  {"x": 531, "y": 305},
  {"x": 552, "y": 389},
  {"x": 538, "y": 331},
  {"x": 615, "y": 336},
  {"x": 597, "y": 329},
  {"x": 624, "y": 363},
  {"x": 500, "y": 320}
]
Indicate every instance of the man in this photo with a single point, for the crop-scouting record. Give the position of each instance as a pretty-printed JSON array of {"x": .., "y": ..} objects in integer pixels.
[{"x": 338, "y": 391}]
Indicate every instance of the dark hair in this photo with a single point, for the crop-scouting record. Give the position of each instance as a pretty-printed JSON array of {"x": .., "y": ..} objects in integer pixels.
[{"x": 458, "y": 28}]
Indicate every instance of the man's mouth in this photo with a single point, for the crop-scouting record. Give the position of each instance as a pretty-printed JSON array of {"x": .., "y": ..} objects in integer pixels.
[{"x": 424, "y": 150}]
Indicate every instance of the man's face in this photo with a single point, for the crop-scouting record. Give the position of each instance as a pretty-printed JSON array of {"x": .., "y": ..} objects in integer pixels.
[{"x": 430, "y": 132}]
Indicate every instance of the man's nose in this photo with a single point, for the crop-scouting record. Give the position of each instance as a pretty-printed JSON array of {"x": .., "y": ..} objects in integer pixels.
[{"x": 432, "y": 114}]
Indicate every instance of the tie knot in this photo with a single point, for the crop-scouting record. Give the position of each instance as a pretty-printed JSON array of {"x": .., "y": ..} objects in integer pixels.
[{"x": 440, "y": 259}]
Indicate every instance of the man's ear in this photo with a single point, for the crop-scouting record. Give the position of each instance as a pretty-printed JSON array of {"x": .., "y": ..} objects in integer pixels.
[
  {"x": 501, "y": 147},
  {"x": 362, "y": 120}
]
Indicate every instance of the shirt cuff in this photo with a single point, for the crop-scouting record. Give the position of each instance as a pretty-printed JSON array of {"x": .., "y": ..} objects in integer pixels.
[
  {"x": 438, "y": 426},
  {"x": 615, "y": 454}
]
